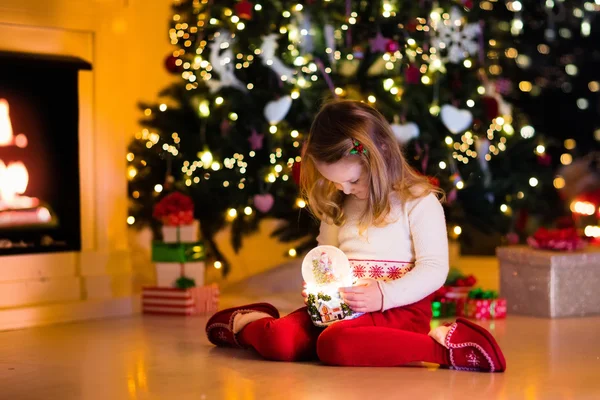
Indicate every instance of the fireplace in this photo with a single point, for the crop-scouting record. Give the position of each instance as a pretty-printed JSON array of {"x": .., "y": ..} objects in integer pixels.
[{"x": 40, "y": 208}]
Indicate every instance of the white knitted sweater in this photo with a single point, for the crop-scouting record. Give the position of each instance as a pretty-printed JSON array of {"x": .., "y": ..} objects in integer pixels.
[{"x": 416, "y": 234}]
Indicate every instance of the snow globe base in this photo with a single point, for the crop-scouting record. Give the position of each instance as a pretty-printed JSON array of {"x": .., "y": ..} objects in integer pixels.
[{"x": 325, "y": 270}]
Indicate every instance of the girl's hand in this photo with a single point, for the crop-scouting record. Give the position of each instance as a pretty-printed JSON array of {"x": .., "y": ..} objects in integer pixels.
[
  {"x": 304, "y": 294},
  {"x": 364, "y": 297}
]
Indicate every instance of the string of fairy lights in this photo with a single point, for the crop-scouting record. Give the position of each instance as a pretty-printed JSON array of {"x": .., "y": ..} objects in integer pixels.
[{"x": 430, "y": 61}]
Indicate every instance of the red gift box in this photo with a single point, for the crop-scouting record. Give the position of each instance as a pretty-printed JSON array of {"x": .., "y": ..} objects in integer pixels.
[
  {"x": 483, "y": 309},
  {"x": 172, "y": 301}
]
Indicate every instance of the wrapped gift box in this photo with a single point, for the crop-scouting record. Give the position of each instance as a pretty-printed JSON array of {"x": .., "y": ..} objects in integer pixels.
[
  {"x": 181, "y": 233},
  {"x": 193, "y": 301},
  {"x": 207, "y": 299},
  {"x": 443, "y": 308},
  {"x": 168, "y": 272},
  {"x": 457, "y": 292},
  {"x": 157, "y": 300},
  {"x": 457, "y": 285},
  {"x": 177, "y": 252},
  {"x": 550, "y": 284},
  {"x": 483, "y": 309}
]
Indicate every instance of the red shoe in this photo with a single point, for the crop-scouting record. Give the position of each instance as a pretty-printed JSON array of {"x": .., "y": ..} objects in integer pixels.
[
  {"x": 473, "y": 348},
  {"x": 219, "y": 328}
]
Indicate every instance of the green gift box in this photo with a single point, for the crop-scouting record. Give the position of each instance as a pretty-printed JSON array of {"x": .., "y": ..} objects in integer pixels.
[
  {"x": 444, "y": 309},
  {"x": 177, "y": 252}
]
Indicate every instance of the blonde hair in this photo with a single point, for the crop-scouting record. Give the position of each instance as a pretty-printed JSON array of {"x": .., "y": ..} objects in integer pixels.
[{"x": 331, "y": 137}]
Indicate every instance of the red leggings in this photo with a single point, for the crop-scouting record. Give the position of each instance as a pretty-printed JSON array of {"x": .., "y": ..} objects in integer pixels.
[{"x": 379, "y": 339}]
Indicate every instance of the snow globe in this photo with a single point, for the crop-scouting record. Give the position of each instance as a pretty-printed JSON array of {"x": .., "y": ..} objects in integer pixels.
[{"x": 325, "y": 270}]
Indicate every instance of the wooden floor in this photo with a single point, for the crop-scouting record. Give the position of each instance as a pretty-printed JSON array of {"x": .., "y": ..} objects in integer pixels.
[{"x": 170, "y": 358}]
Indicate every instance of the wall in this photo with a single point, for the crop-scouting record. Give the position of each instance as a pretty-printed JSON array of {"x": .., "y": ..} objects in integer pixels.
[{"x": 122, "y": 39}]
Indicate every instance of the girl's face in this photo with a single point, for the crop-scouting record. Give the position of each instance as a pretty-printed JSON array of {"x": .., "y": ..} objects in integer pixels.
[{"x": 348, "y": 175}]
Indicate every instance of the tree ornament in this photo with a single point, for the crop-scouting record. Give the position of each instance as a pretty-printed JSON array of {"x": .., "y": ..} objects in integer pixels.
[
  {"x": 169, "y": 182},
  {"x": 504, "y": 108},
  {"x": 256, "y": 140},
  {"x": 171, "y": 64},
  {"x": 348, "y": 68},
  {"x": 222, "y": 65},
  {"x": 358, "y": 52},
  {"x": 411, "y": 26},
  {"x": 454, "y": 119},
  {"x": 456, "y": 84},
  {"x": 456, "y": 178},
  {"x": 490, "y": 106},
  {"x": 275, "y": 111},
  {"x": 392, "y": 46},
  {"x": 225, "y": 127},
  {"x": 329, "y": 33},
  {"x": 503, "y": 86},
  {"x": 378, "y": 43},
  {"x": 302, "y": 21},
  {"x": 404, "y": 133},
  {"x": 296, "y": 170},
  {"x": 412, "y": 75},
  {"x": 267, "y": 49},
  {"x": 264, "y": 202},
  {"x": 452, "y": 196},
  {"x": 544, "y": 159},
  {"x": 456, "y": 38},
  {"x": 243, "y": 9}
]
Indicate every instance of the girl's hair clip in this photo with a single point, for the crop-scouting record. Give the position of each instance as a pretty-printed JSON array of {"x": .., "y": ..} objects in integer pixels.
[{"x": 358, "y": 148}]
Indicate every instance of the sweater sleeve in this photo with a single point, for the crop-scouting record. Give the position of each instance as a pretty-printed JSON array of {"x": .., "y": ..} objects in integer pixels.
[
  {"x": 328, "y": 235},
  {"x": 427, "y": 225}
]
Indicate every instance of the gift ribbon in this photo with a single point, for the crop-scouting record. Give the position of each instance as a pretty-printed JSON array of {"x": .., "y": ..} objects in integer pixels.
[{"x": 480, "y": 294}]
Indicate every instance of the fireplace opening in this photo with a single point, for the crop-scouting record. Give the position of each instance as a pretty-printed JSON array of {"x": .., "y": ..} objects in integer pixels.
[{"x": 39, "y": 153}]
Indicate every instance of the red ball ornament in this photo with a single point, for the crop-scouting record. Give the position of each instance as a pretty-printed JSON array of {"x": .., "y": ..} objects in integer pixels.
[
  {"x": 412, "y": 75},
  {"x": 434, "y": 181},
  {"x": 171, "y": 64},
  {"x": 243, "y": 9},
  {"x": 468, "y": 4},
  {"x": 522, "y": 220},
  {"x": 456, "y": 84},
  {"x": 296, "y": 168},
  {"x": 392, "y": 46},
  {"x": 544, "y": 159},
  {"x": 491, "y": 107},
  {"x": 412, "y": 25}
]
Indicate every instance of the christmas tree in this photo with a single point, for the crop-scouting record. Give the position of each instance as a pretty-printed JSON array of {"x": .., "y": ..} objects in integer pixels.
[
  {"x": 254, "y": 74},
  {"x": 553, "y": 60}
]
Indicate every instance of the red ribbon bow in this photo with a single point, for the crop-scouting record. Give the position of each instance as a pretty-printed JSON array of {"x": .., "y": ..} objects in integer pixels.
[
  {"x": 175, "y": 209},
  {"x": 556, "y": 239}
]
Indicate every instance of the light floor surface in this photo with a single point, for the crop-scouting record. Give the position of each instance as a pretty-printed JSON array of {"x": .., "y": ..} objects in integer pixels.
[{"x": 147, "y": 357}]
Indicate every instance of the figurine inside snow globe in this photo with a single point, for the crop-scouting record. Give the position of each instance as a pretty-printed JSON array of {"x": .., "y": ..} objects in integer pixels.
[{"x": 325, "y": 270}]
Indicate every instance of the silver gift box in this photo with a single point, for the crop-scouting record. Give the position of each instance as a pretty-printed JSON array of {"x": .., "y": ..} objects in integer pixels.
[{"x": 548, "y": 283}]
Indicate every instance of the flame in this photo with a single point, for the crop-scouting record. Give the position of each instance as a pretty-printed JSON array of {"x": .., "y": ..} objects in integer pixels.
[
  {"x": 6, "y": 131},
  {"x": 14, "y": 177}
]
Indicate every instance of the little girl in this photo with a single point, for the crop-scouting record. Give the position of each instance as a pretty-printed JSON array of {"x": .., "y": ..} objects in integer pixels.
[{"x": 389, "y": 222}]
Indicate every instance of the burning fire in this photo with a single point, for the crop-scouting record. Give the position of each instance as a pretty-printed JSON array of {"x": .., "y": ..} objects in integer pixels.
[{"x": 16, "y": 209}]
